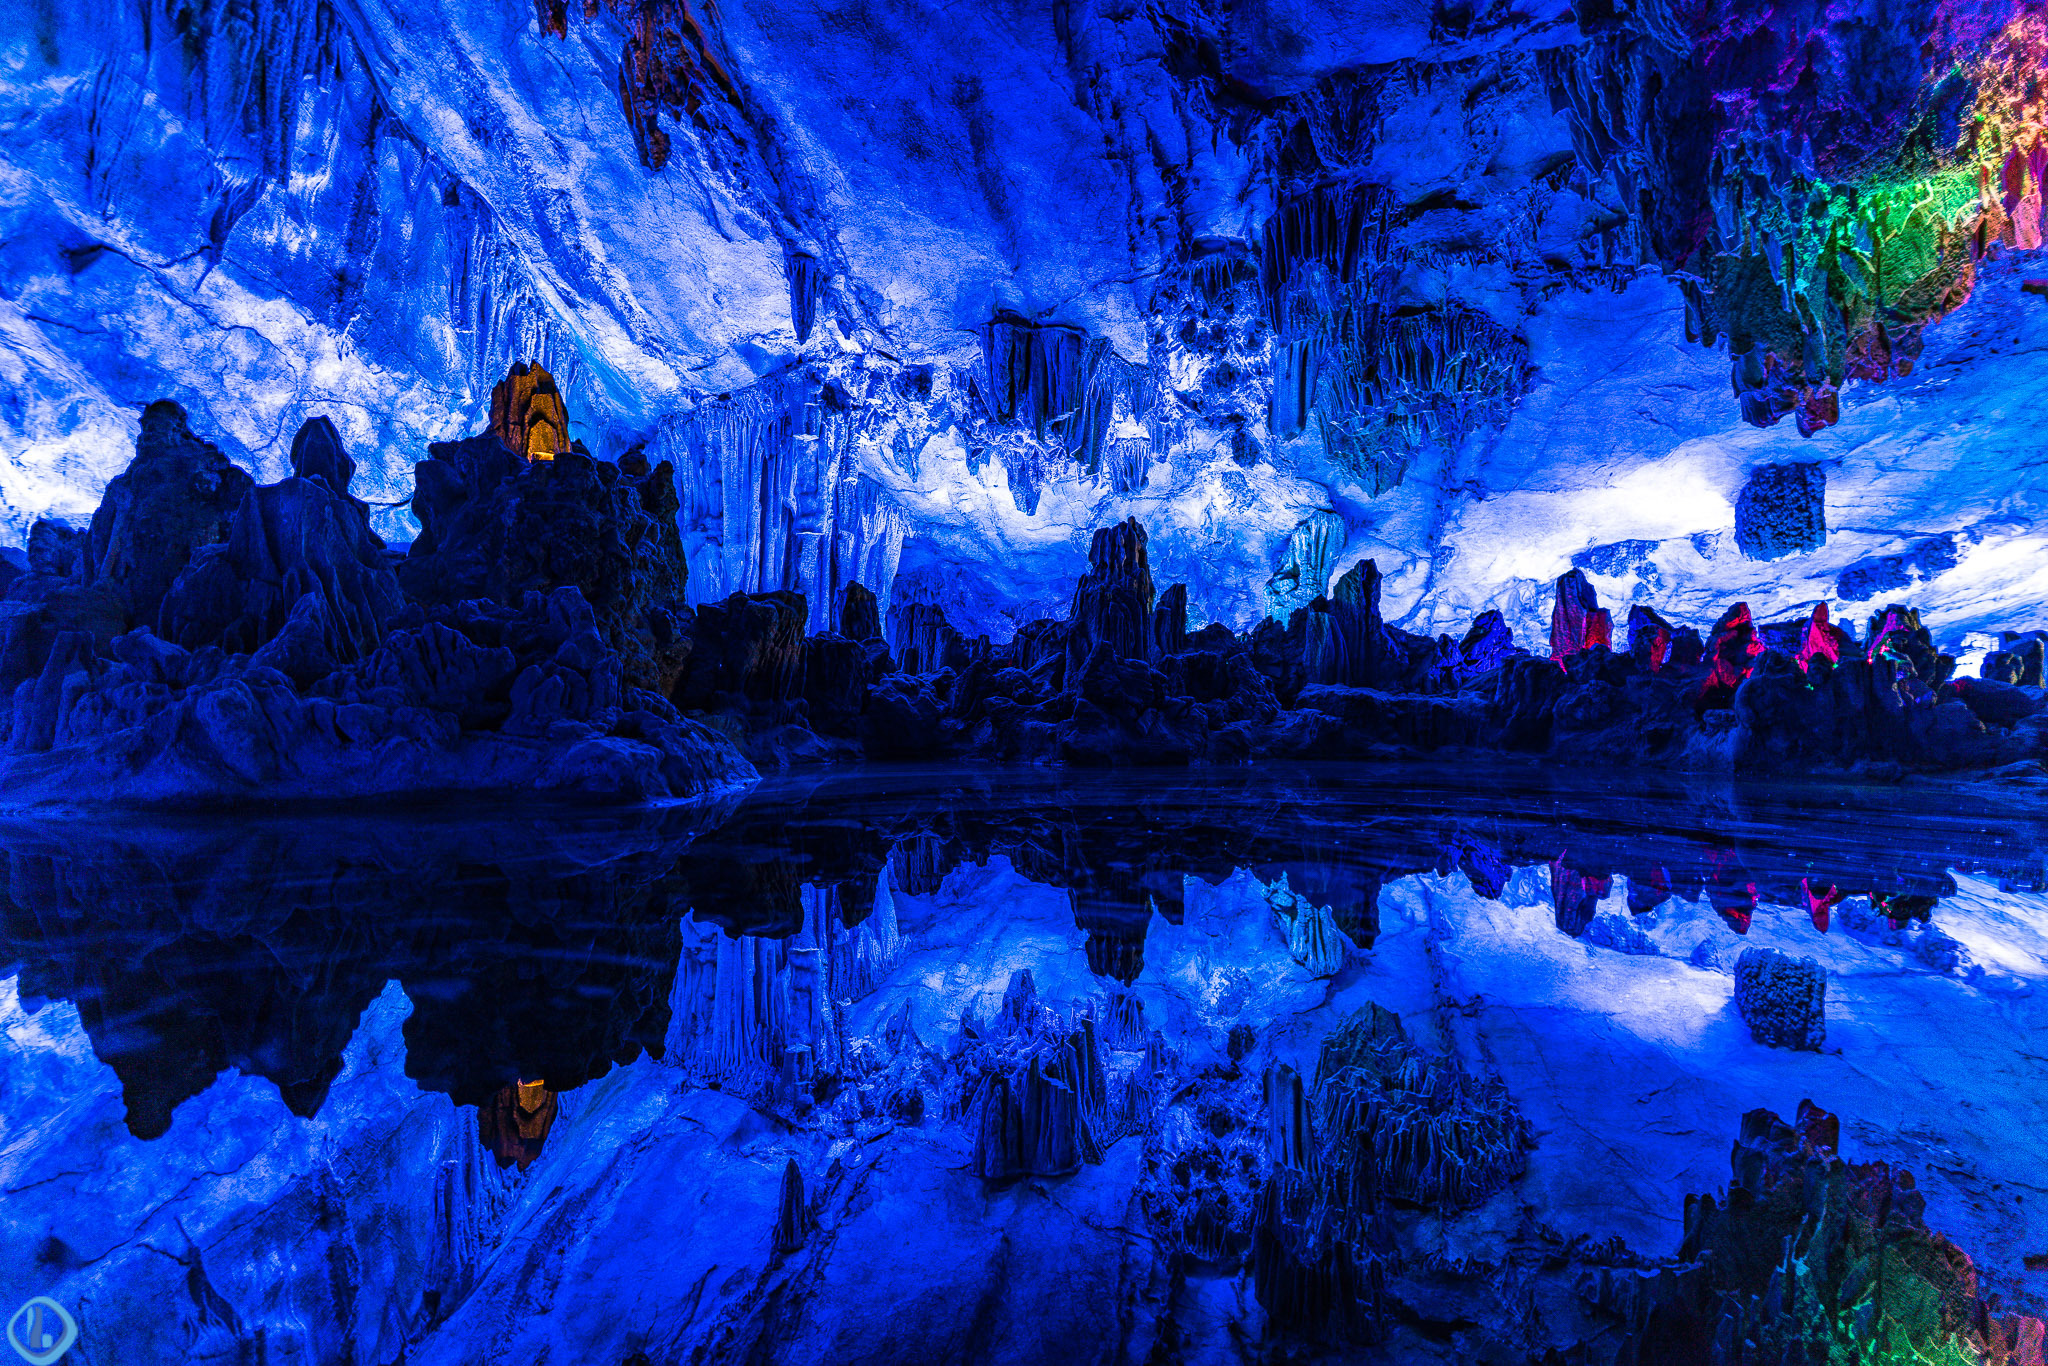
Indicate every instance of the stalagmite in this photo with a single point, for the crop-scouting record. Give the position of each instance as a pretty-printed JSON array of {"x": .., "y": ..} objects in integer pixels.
[
  {"x": 529, "y": 415},
  {"x": 1113, "y": 601},
  {"x": 1577, "y": 620},
  {"x": 1290, "y": 1140}
]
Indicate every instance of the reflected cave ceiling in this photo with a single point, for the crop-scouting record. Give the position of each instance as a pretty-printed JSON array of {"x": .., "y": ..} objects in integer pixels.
[{"x": 1480, "y": 291}]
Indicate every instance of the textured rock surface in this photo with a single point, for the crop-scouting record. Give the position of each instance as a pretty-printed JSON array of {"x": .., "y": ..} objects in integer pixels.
[
  {"x": 292, "y": 661},
  {"x": 1392, "y": 275},
  {"x": 1783, "y": 1000},
  {"x": 1782, "y": 510},
  {"x": 177, "y": 495}
]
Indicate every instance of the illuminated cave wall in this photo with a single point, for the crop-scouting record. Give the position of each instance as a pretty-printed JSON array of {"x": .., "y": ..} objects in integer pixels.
[{"x": 921, "y": 297}]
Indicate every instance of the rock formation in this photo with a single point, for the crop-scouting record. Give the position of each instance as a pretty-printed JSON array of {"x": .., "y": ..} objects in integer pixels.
[
  {"x": 528, "y": 414},
  {"x": 1782, "y": 511},
  {"x": 288, "y": 654},
  {"x": 1782, "y": 999},
  {"x": 178, "y": 495},
  {"x": 1870, "y": 1281}
]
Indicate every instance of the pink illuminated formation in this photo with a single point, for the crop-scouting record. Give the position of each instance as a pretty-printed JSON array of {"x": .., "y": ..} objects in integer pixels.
[
  {"x": 1578, "y": 622},
  {"x": 1732, "y": 649},
  {"x": 1821, "y": 640},
  {"x": 1820, "y": 903}
]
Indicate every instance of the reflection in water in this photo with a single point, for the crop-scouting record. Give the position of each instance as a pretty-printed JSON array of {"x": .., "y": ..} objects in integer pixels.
[
  {"x": 528, "y": 949},
  {"x": 533, "y": 948},
  {"x": 514, "y": 1122},
  {"x": 1279, "y": 994}
]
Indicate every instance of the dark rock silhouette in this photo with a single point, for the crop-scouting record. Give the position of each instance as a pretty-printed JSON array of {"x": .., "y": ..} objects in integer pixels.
[
  {"x": 792, "y": 1217},
  {"x": 494, "y": 525},
  {"x": 287, "y": 658},
  {"x": 298, "y": 552},
  {"x": 317, "y": 453},
  {"x": 543, "y": 602}
]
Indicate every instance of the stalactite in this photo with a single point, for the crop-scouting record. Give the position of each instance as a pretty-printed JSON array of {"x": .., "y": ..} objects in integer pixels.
[
  {"x": 1398, "y": 1123},
  {"x": 1128, "y": 461},
  {"x": 1381, "y": 380},
  {"x": 1303, "y": 574},
  {"x": 1032, "y": 374},
  {"x": 1039, "y": 1101},
  {"x": 1290, "y": 1137},
  {"x": 771, "y": 499},
  {"x": 765, "y": 1017},
  {"x": 1069, "y": 391},
  {"x": 492, "y": 302},
  {"x": 670, "y": 65},
  {"x": 807, "y": 277},
  {"x": 1296, "y": 366},
  {"x": 1806, "y": 231}
]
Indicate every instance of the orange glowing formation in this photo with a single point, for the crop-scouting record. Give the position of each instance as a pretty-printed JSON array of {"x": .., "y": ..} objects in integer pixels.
[{"x": 528, "y": 414}]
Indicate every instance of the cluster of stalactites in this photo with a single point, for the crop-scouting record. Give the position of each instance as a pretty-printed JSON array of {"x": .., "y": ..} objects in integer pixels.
[
  {"x": 671, "y": 64},
  {"x": 1818, "y": 252},
  {"x": 771, "y": 498},
  {"x": 1069, "y": 390},
  {"x": 528, "y": 414},
  {"x": 1380, "y": 379}
]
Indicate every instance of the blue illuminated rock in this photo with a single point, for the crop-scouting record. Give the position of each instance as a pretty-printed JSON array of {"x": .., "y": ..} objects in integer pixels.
[
  {"x": 1782, "y": 511},
  {"x": 1782, "y": 999}
]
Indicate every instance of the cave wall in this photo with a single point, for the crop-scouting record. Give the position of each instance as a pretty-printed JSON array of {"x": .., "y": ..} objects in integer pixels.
[{"x": 1485, "y": 294}]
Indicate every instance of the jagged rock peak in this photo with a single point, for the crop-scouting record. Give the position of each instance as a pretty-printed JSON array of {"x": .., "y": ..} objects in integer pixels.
[
  {"x": 317, "y": 453},
  {"x": 1359, "y": 589},
  {"x": 1577, "y": 620},
  {"x": 528, "y": 414},
  {"x": 860, "y": 617},
  {"x": 792, "y": 1216},
  {"x": 1113, "y": 601},
  {"x": 178, "y": 493}
]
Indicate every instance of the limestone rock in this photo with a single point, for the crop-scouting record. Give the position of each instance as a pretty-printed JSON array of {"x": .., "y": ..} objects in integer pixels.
[
  {"x": 495, "y": 527},
  {"x": 1782, "y": 999},
  {"x": 287, "y": 541},
  {"x": 178, "y": 494},
  {"x": 1113, "y": 601},
  {"x": 1782, "y": 510},
  {"x": 528, "y": 414},
  {"x": 859, "y": 617},
  {"x": 317, "y": 453}
]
